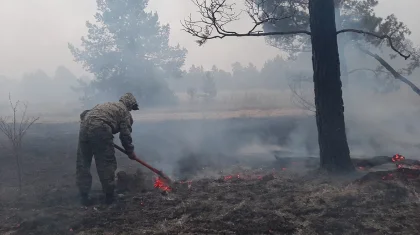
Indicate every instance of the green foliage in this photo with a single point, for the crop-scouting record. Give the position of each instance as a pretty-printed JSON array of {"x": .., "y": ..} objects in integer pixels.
[{"x": 127, "y": 49}]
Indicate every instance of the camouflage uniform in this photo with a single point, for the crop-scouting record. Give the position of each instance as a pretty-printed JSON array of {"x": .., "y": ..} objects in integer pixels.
[{"x": 97, "y": 128}]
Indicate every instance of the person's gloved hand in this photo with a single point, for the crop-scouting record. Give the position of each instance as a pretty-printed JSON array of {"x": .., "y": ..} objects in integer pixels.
[{"x": 132, "y": 156}]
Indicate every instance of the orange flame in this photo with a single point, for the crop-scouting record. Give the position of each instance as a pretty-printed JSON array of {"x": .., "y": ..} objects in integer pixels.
[
  {"x": 228, "y": 177},
  {"x": 397, "y": 158},
  {"x": 159, "y": 183}
]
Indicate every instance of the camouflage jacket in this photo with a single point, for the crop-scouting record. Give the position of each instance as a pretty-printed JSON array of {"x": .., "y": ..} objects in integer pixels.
[{"x": 117, "y": 115}]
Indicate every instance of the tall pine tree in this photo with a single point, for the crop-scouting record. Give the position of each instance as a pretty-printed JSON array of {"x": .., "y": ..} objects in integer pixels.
[{"x": 127, "y": 49}]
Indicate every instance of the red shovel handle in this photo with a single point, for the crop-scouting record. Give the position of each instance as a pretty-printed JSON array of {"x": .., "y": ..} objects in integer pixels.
[{"x": 158, "y": 172}]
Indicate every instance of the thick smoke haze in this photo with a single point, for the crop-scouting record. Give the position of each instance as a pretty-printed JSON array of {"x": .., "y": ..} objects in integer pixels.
[
  {"x": 380, "y": 112},
  {"x": 231, "y": 122}
]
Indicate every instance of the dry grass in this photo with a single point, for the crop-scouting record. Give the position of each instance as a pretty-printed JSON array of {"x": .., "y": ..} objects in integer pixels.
[
  {"x": 282, "y": 203},
  {"x": 228, "y": 104}
]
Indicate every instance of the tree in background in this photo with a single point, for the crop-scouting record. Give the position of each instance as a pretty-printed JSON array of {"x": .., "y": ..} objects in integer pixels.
[
  {"x": 356, "y": 14},
  {"x": 246, "y": 76},
  {"x": 87, "y": 91},
  {"x": 274, "y": 73},
  {"x": 222, "y": 78},
  {"x": 209, "y": 87},
  {"x": 64, "y": 78},
  {"x": 359, "y": 15},
  {"x": 127, "y": 49},
  {"x": 38, "y": 86},
  {"x": 192, "y": 93},
  {"x": 332, "y": 139}
]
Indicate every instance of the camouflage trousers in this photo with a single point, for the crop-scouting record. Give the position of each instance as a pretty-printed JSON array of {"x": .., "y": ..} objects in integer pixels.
[{"x": 95, "y": 139}]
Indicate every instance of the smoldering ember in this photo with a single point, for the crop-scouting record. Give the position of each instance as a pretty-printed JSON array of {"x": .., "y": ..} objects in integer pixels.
[{"x": 209, "y": 117}]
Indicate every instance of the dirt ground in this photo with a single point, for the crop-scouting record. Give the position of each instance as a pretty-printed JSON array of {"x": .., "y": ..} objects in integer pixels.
[{"x": 241, "y": 195}]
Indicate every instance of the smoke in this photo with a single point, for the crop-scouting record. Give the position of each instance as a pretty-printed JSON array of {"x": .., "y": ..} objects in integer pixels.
[
  {"x": 382, "y": 123},
  {"x": 380, "y": 116},
  {"x": 380, "y": 111},
  {"x": 184, "y": 148},
  {"x": 45, "y": 94}
]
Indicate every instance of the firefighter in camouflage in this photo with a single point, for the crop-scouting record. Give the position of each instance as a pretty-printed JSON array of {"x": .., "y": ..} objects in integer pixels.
[{"x": 97, "y": 128}]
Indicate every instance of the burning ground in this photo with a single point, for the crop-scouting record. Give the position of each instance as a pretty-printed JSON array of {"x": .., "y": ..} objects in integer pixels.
[
  {"x": 273, "y": 197},
  {"x": 256, "y": 201}
]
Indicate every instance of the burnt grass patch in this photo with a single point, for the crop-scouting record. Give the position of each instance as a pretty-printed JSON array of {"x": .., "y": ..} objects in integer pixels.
[
  {"x": 280, "y": 204},
  {"x": 271, "y": 199}
]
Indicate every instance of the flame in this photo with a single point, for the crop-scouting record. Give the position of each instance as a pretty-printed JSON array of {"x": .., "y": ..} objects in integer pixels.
[
  {"x": 397, "y": 158},
  {"x": 159, "y": 183},
  {"x": 228, "y": 177}
]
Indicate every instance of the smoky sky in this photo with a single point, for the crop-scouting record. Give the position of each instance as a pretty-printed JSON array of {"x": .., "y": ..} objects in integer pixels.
[{"x": 35, "y": 34}]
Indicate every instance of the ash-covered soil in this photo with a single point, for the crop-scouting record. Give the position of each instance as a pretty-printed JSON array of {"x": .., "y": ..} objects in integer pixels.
[
  {"x": 255, "y": 202},
  {"x": 218, "y": 194}
]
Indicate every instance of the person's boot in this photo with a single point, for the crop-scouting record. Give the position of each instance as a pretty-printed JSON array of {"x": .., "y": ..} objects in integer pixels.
[
  {"x": 109, "y": 198},
  {"x": 85, "y": 200}
]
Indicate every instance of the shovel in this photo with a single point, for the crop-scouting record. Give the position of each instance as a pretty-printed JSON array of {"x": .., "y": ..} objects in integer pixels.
[{"x": 158, "y": 172}]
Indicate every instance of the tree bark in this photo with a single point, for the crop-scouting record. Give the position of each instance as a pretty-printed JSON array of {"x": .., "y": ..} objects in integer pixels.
[{"x": 334, "y": 150}]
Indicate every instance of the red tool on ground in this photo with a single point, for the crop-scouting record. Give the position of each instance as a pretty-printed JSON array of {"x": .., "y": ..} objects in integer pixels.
[{"x": 158, "y": 172}]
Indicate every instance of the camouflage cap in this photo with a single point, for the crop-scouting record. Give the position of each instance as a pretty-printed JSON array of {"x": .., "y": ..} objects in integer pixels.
[
  {"x": 129, "y": 101},
  {"x": 83, "y": 114}
]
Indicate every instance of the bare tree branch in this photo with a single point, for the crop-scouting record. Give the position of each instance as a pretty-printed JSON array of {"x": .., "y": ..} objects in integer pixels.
[
  {"x": 15, "y": 131},
  {"x": 216, "y": 14},
  {"x": 304, "y": 103},
  {"x": 376, "y": 72},
  {"x": 297, "y": 97},
  {"x": 382, "y": 37}
]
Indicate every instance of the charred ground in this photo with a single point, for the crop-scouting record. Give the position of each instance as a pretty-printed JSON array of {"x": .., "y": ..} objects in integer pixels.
[{"x": 225, "y": 194}]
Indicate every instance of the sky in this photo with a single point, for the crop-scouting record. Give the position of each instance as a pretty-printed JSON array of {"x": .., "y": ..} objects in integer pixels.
[{"x": 35, "y": 33}]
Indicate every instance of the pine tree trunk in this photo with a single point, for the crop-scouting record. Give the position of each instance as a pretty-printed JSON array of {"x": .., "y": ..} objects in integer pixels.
[{"x": 334, "y": 150}]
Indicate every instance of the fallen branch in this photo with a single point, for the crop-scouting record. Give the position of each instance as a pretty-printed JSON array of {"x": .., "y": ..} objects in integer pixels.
[{"x": 394, "y": 73}]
